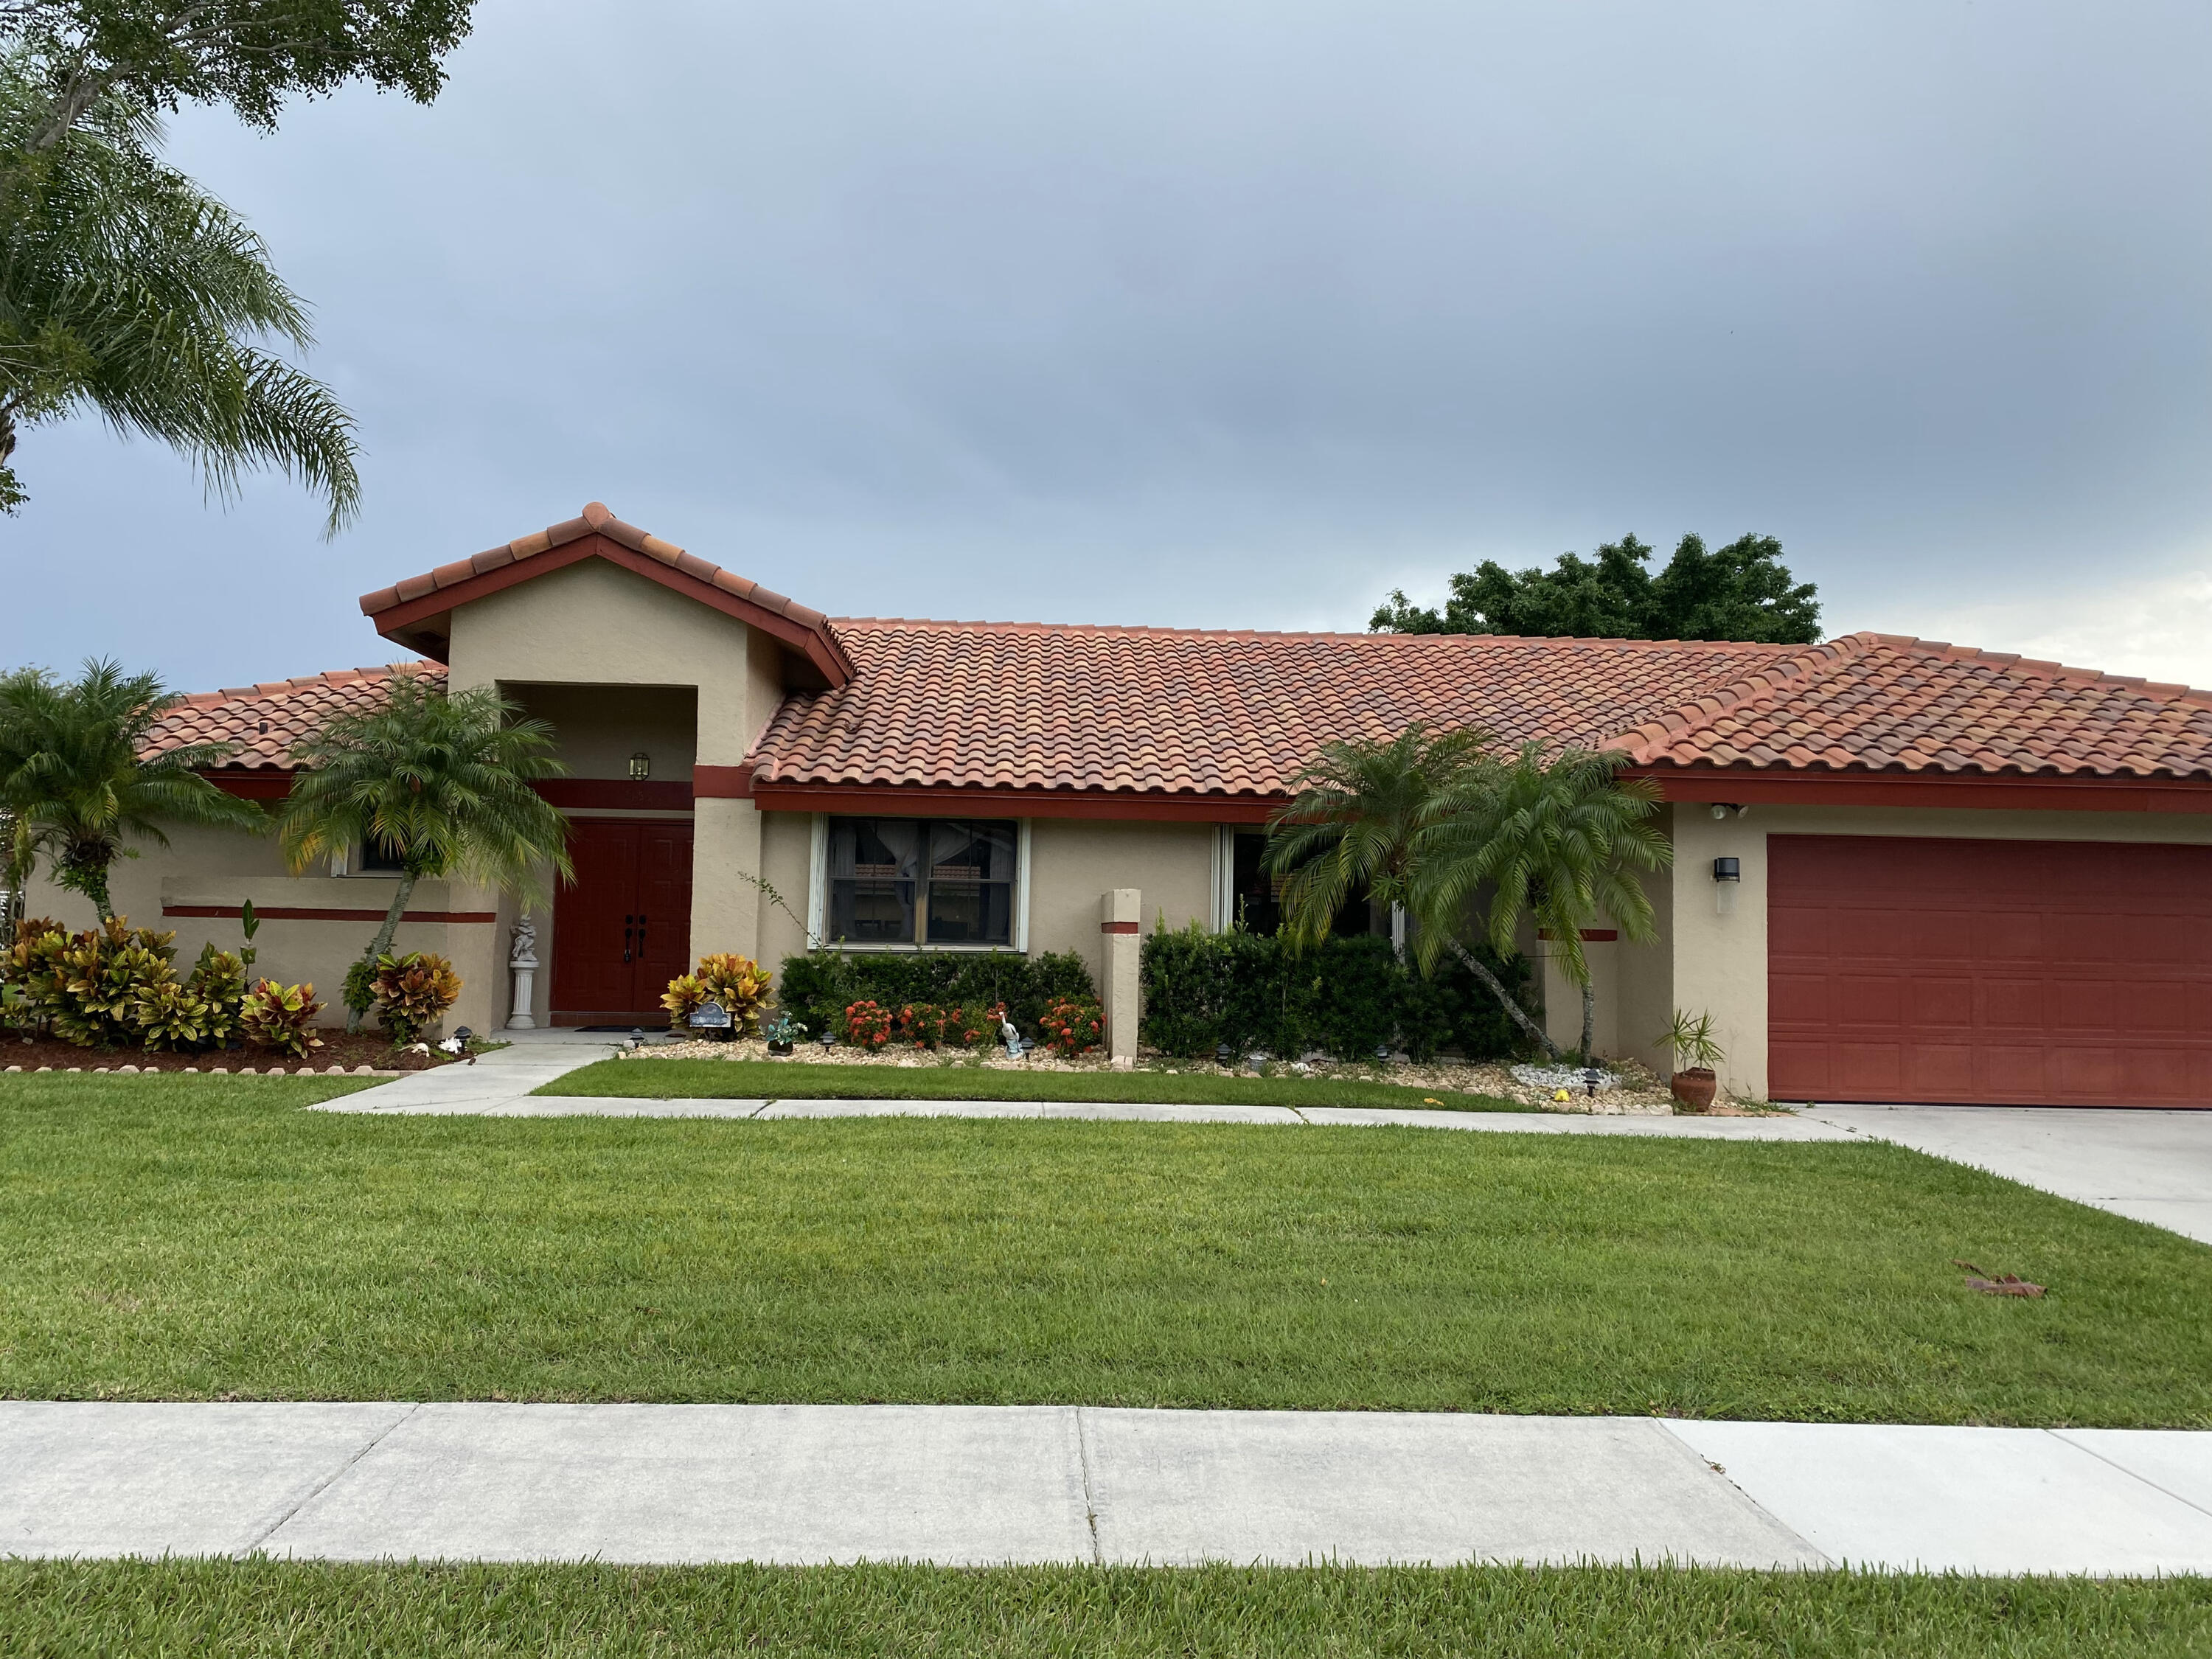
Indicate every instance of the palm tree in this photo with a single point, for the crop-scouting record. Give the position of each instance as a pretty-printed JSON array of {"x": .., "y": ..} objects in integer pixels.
[
  {"x": 1378, "y": 814},
  {"x": 73, "y": 777},
  {"x": 1556, "y": 837},
  {"x": 127, "y": 291},
  {"x": 442, "y": 781}
]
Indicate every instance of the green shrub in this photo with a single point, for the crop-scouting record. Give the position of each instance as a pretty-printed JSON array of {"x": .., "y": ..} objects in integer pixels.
[
  {"x": 819, "y": 987},
  {"x": 1349, "y": 996},
  {"x": 88, "y": 988}
]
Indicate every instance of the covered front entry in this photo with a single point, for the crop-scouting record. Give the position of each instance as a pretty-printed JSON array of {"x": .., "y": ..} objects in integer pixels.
[
  {"x": 1989, "y": 972},
  {"x": 622, "y": 930}
]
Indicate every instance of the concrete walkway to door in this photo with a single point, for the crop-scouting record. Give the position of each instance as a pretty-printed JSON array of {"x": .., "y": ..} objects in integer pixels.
[{"x": 2153, "y": 1166}]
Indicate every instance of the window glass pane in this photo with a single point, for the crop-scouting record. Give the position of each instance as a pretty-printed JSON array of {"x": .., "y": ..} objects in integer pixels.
[
  {"x": 1253, "y": 904},
  {"x": 874, "y": 863},
  {"x": 971, "y": 882},
  {"x": 377, "y": 853},
  {"x": 1257, "y": 902}
]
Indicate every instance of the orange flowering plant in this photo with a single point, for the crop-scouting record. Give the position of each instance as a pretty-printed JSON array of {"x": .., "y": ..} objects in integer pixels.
[
  {"x": 867, "y": 1024},
  {"x": 1073, "y": 1024}
]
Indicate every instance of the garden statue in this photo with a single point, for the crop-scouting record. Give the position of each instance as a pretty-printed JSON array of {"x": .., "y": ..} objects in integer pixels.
[{"x": 523, "y": 959}]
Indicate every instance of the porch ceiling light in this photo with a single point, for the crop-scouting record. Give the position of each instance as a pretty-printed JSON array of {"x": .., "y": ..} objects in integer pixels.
[{"x": 640, "y": 765}]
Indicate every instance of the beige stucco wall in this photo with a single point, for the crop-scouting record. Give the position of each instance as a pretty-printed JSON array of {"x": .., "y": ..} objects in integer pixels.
[
  {"x": 595, "y": 624},
  {"x": 1719, "y": 962},
  {"x": 1073, "y": 862},
  {"x": 204, "y": 867}
]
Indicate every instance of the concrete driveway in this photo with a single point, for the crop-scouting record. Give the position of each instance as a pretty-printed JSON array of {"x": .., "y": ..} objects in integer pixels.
[{"x": 2149, "y": 1165}]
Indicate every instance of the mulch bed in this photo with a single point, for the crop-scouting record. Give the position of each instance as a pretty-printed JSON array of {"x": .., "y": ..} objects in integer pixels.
[{"x": 370, "y": 1049}]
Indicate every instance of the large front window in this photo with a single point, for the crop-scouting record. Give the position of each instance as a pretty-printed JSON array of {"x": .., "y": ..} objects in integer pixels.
[{"x": 906, "y": 881}]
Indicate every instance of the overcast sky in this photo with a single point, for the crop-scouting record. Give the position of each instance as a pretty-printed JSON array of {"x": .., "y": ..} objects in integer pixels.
[{"x": 1221, "y": 313}]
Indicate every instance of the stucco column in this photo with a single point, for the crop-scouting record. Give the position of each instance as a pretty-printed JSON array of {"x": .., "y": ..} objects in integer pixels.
[{"x": 1118, "y": 946}]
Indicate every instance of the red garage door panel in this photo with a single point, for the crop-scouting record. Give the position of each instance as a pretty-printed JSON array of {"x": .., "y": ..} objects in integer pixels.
[{"x": 2007, "y": 972}]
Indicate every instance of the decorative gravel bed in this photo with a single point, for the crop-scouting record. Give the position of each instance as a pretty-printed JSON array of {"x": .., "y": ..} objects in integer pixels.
[{"x": 1641, "y": 1093}]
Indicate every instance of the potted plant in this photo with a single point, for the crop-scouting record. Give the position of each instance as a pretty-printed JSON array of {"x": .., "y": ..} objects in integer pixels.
[
  {"x": 1696, "y": 1053},
  {"x": 782, "y": 1032}
]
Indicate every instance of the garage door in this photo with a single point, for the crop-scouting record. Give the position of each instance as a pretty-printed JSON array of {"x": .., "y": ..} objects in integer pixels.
[{"x": 2028, "y": 973}]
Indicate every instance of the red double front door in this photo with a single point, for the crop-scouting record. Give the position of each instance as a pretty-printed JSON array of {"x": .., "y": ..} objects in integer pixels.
[{"x": 622, "y": 929}]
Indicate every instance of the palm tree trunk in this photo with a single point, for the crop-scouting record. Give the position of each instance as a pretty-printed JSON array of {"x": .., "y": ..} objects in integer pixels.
[
  {"x": 1589, "y": 1018},
  {"x": 382, "y": 942},
  {"x": 1519, "y": 1015}
]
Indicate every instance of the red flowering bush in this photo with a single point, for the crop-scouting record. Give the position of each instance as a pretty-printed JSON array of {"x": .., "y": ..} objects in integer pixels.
[
  {"x": 868, "y": 1024},
  {"x": 922, "y": 1024},
  {"x": 1073, "y": 1024},
  {"x": 975, "y": 1028}
]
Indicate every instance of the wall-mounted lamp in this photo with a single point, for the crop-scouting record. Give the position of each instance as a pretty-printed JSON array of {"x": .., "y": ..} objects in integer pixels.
[
  {"x": 1722, "y": 808},
  {"x": 1728, "y": 880},
  {"x": 640, "y": 765}
]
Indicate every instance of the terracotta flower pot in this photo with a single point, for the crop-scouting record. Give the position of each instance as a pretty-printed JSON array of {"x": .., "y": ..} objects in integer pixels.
[{"x": 1694, "y": 1088}]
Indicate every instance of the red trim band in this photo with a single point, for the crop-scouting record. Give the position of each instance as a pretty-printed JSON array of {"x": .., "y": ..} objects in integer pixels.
[
  {"x": 1118, "y": 927},
  {"x": 722, "y": 782},
  {"x": 291, "y": 913},
  {"x": 1590, "y": 935},
  {"x": 2048, "y": 795}
]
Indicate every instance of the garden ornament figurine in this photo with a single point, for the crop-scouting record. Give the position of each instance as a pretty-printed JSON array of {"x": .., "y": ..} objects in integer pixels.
[{"x": 1010, "y": 1036}]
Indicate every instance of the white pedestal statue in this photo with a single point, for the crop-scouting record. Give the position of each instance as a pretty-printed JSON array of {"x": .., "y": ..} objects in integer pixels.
[{"x": 523, "y": 959}]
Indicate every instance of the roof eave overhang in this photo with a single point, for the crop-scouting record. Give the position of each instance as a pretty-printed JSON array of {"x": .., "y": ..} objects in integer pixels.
[
  {"x": 1154, "y": 806},
  {"x": 2014, "y": 792},
  {"x": 424, "y": 623}
]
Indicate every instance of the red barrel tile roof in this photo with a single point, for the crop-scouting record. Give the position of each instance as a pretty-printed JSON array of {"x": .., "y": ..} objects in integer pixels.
[
  {"x": 1189, "y": 712},
  {"x": 1036, "y": 706},
  {"x": 265, "y": 721},
  {"x": 1888, "y": 702}
]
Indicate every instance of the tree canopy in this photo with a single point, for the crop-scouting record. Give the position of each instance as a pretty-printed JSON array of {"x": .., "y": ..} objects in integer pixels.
[
  {"x": 1740, "y": 592},
  {"x": 124, "y": 288}
]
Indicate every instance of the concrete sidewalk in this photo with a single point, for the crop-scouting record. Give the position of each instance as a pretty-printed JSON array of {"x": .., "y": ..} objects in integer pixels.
[{"x": 979, "y": 1485}]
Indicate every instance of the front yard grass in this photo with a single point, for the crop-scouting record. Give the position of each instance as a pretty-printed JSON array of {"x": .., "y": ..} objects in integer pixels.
[
  {"x": 173, "y": 1237},
  {"x": 768, "y": 1079},
  {"x": 262, "y": 1608}
]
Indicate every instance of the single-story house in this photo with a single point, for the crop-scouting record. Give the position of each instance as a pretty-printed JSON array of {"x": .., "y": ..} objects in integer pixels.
[{"x": 1904, "y": 871}]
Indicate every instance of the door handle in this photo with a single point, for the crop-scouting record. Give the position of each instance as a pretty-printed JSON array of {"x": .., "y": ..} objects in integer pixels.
[
  {"x": 640, "y": 936},
  {"x": 627, "y": 921}
]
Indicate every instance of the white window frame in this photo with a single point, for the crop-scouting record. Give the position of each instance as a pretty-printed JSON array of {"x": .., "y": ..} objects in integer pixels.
[
  {"x": 817, "y": 898},
  {"x": 1225, "y": 877}
]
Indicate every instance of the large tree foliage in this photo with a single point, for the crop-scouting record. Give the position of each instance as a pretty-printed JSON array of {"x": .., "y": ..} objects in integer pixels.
[
  {"x": 1740, "y": 592},
  {"x": 248, "y": 54},
  {"x": 442, "y": 782},
  {"x": 73, "y": 777},
  {"x": 126, "y": 290},
  {"x": 1461, "y": 837}
]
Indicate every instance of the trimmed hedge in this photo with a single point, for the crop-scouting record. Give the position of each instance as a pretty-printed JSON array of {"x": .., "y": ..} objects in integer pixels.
[
  {"x": 818, "y": 987},
  {"x": 1350, "y": 996}
]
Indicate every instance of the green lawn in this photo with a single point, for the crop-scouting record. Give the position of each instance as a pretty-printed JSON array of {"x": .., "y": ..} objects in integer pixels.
[
  {"x": 768, "y": 1079},
  {"x": 193, "y": 1237},
  {"x": 278, "y": 1609}
]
